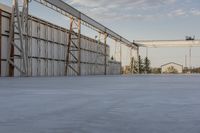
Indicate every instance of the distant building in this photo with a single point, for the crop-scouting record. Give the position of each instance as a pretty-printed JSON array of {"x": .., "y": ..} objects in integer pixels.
[{"x": 172, "y": 68}]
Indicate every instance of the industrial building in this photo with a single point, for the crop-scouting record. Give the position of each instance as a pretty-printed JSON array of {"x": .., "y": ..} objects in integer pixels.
[
  {"x": 31, "y": 46},
  {"x": 167, "y": 68}
]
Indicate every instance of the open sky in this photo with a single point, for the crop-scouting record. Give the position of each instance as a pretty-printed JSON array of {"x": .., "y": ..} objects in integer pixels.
[{"x": 144, "y": 20}]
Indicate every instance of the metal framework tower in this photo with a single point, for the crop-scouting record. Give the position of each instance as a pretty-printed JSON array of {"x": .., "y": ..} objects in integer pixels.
[
  {"x": 18, "y": 38},
  {"x": 74, "y": 47}
]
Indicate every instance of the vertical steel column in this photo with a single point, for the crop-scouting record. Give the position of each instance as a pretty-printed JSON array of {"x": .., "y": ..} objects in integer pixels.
[
  {"x": 52, "y": 52},
  {"x": 185, "y": 61},
  {"x": 190, "y": 57},
  {"x": 79, "y": 47},
  {"x": 115, "y": 54},
  {"x": 131, "y": 52},
  {"x": 25, "y": 32},
  {"x": 120, "y": 52},
  {"x": 38, "y": 49},
  {"x": 138, "y": 54},
  {"x": 19, "y": 25},
  {"x": 46, "y": 50},
  {"x": 147, "y": 52},
  {"x": 0, "y": 38},
  {"x": 105, "y": 52},
  {"x": 74, "y": 36},
  {"x": 131, "y": 60},
  {"x": 30, "y": 46},
  {"x": 121, "y": 57}
]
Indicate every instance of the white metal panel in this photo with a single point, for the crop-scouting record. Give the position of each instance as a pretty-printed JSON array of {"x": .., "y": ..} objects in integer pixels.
[
  {"x": 3, "y": 68},
  {"x": 42, "y": 31},
  {"x": 42, "y": 49},
  {"x": 4, "y": 47},
  {"x": 5, "y": 25},
  {"x": 50, "y": 68},
  {"x": 114, "y": 68},
  {"x": 34, "y": 67},
  {"x": 34, "y": 49}
]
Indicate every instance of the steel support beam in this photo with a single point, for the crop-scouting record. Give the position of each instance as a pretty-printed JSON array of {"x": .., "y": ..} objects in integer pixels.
[
  {"x": 74, "y": 53},
  {"x": 168, "y": 43},
  {"x": 64, "y": 8},
  {"x": 131, "y": 60},
  {"x": 0, "y": 37}
]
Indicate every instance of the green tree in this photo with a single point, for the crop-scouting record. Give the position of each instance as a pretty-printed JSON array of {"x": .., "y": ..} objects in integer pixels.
[
  {"x": 156, "y": 70},
  {"x": 147, "y": 64},
  {"x": 132, "y": 65},
  {"x": 140, "y": 65},
  {"x": 136, "y": 67}
]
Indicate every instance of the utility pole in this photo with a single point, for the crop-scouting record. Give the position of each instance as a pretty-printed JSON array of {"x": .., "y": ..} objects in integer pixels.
[
  {"x": 190, "y": 57},
  {"x": 185, "y": 61},
  {"x": 147, "y": 51}
]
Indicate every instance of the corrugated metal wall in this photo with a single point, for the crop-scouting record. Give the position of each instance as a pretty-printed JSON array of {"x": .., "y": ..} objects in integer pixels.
[
  {"x": 114, "y": 68},
  {"x": 47, "y": 50},
  {"x": 4, "y": 17}
]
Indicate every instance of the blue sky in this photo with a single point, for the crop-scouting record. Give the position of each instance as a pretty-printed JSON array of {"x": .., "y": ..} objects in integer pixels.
[{"x": 142, "y": 20}]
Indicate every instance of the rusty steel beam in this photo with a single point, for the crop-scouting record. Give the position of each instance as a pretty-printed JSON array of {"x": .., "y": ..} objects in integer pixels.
[{"x": 77, "y": 47}]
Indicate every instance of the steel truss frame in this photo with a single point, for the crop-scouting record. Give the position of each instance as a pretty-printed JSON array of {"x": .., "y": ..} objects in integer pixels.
[
  {"x": 18, "y": 38},
  {"x": 74, "y": 53}
]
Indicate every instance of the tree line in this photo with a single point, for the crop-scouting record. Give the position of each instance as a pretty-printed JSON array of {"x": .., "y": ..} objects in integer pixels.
[{"x": 142, "y": 66}]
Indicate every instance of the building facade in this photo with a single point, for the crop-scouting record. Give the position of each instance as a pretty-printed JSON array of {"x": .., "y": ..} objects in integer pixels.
[
  {"x": 171, "y": 68},
  {"x": 47, "y": 50}
]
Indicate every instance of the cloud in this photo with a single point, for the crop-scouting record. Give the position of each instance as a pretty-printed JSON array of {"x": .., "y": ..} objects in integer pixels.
[
  {"x": 93, "y": 3},
  {"x": 130, "y": 9},
  {"x": 195, "y": 12},
  {"x": 185, "y": 13},
  {"x": 178, "y": 12}
]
